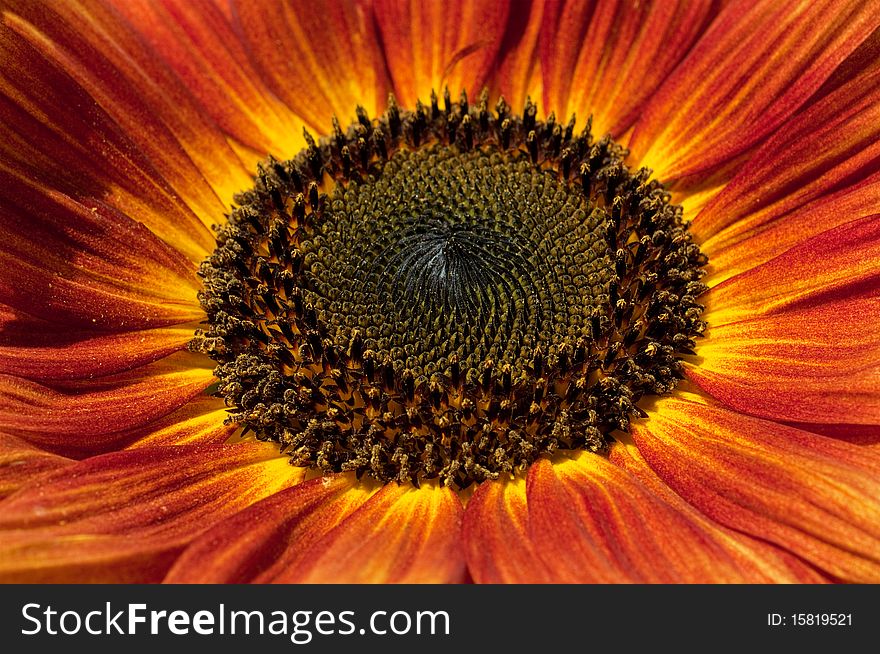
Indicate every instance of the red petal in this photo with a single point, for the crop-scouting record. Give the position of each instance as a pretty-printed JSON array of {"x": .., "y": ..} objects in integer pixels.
[
  {"x": 199, "y": 43},
  {"x": 519, "y": 62},
  {"x": 755, "y": 560},
  {"x": 88, "y": 416},
  {"x": 817, "y": 172},
  {"x": 865, "y": 435},
  {"x": 21, "y": 463},
  {"x": 814, "y": 496},
  {"x": 496, "y": 538},
  {"x": 138, "y": 140},
  {"x": 88, "y": 265},
  {"x": 753, "y": 68},
  {"x": 595, "y": 522},
  {"x": 789, "y": 340},
  {"x": 41, "y": 350},
  {"x": 619, "y": 51},
  {"x": 401, "y": 534},
  {"x": 270, "y": 538},
  {"x": 814, "y": 366},
  {"x": 124, "y": 517},
  {"x": 834, "y": 266},
  {"x": 431, "y": 45},
  {"x": 322, "y": 58},
  {"x": 201, "y": 420}
]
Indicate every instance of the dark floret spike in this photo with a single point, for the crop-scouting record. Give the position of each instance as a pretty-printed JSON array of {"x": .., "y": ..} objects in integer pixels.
[
  {"x": 356, "y": 348},
  {"x": 369, "y": 368},
  {"x": 596, "y": 326},
  {"x": 299, "y": 210},
  {"x": 392, "y": 117},
  {"x": 483, "y": 110},
  {"x": 435, "y": 107},
  {"x": 277, "y": 200},
  {"x": 506, "y": 133},
  {"x": 455, "y": 371},
  {"x": 280, "y": 171},
  {"x": 555, "y": 141},
  {"x": 569, "y": 129},
  {"x": 566, "y": 158},
  {"x": 586, "y": 179},
  {"x": 451, "y": 128},
  {"x": 314, "y": 197},
  {"x": 362, "y": 147},
  {"x": 364, "y": 119},
  {"x": 530, "y": 113},
  {"x": 532, "y": 145},
  {"x": 388, "y": 375},
  {"x": 378, "y": 142},
  {"x": 297, "y": 176},
  {"x": 337, "y": 137},
  {"x": 501, "y": 109},
  {"x": 347, "y": 163},
  {"x": 313, "y": 155},
  {"x": 620, "y": 263},
  {"x": 407, "y": 385},
  {"x": 538, "y": 363},
  {"x": 419, "y": 124},
  {"x": 467, "y": 129}
]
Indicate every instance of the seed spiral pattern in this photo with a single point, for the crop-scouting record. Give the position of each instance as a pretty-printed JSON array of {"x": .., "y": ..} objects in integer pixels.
[
  {"x": 476, "y": 257},
  {"x": 448, "y": 292}
]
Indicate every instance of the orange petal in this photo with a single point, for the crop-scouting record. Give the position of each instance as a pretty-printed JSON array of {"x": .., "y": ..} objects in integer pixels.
[
  {"x": 88, "y": 416},
  {"x": 753, "y": 68},
  {"x": 321, "y": 58},
  {"x": 736, "y": 251},
  {"x": 818, "y": 365},
  {"x": 519, "y": 73},
  {"x": 564, "y": 534},
  {"x": 270, "y": 537},
  {"x": 42, "y": 350},
  {"x": 864, "y": 435},
  {"x": 138, "y": 139},
  {"x": 22, "y": 463},
  {"x": 198, "y": 42},
  {"x": 619, "y": 52},
  {"x": 201, "y": 420},
  {"x": 836, "y": 265},
  {"x": 88, "y": 265},
  {"x": 755, "y": 560},
  {"x": 431, "y": 45},
  {"x": 790, "y": 339},
  {"x": 818, "y": 171},
  {"x": 594, "y": 522},
  {"x": 811, "y": 495},
  {"x": 496, "y": 538},
  {"x": 124, "y": 517},
  {"x": 402, "y": 534}
]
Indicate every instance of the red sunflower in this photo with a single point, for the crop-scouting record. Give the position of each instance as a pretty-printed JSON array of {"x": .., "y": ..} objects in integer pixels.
[{"x": 456, "y": 335}]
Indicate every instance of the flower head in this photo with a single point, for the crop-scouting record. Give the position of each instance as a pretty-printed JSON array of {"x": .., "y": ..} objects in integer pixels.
[{"x": 546, "y": 291}]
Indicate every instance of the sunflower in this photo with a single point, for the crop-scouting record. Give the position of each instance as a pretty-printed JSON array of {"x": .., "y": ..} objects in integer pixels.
[{"x": 398, "y": 291}]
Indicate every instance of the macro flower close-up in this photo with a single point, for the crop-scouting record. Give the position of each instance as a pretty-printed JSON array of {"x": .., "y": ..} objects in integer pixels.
[{"x": 440, "y": 292}]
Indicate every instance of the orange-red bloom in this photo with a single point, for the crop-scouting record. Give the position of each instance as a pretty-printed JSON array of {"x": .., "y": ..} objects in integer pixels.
[{"x": 127, "y": 126}]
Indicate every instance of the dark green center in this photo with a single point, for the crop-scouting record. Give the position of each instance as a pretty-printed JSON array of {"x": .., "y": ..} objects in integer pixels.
[
  {"x": 474, "y": 256},
  {"x": 448, "y": 293}
]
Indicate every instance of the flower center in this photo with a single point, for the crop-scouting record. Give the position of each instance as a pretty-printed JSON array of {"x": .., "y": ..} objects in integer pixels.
[
  {"x": 448, "y": 293},
  {"x": 456, "y": 256}
]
